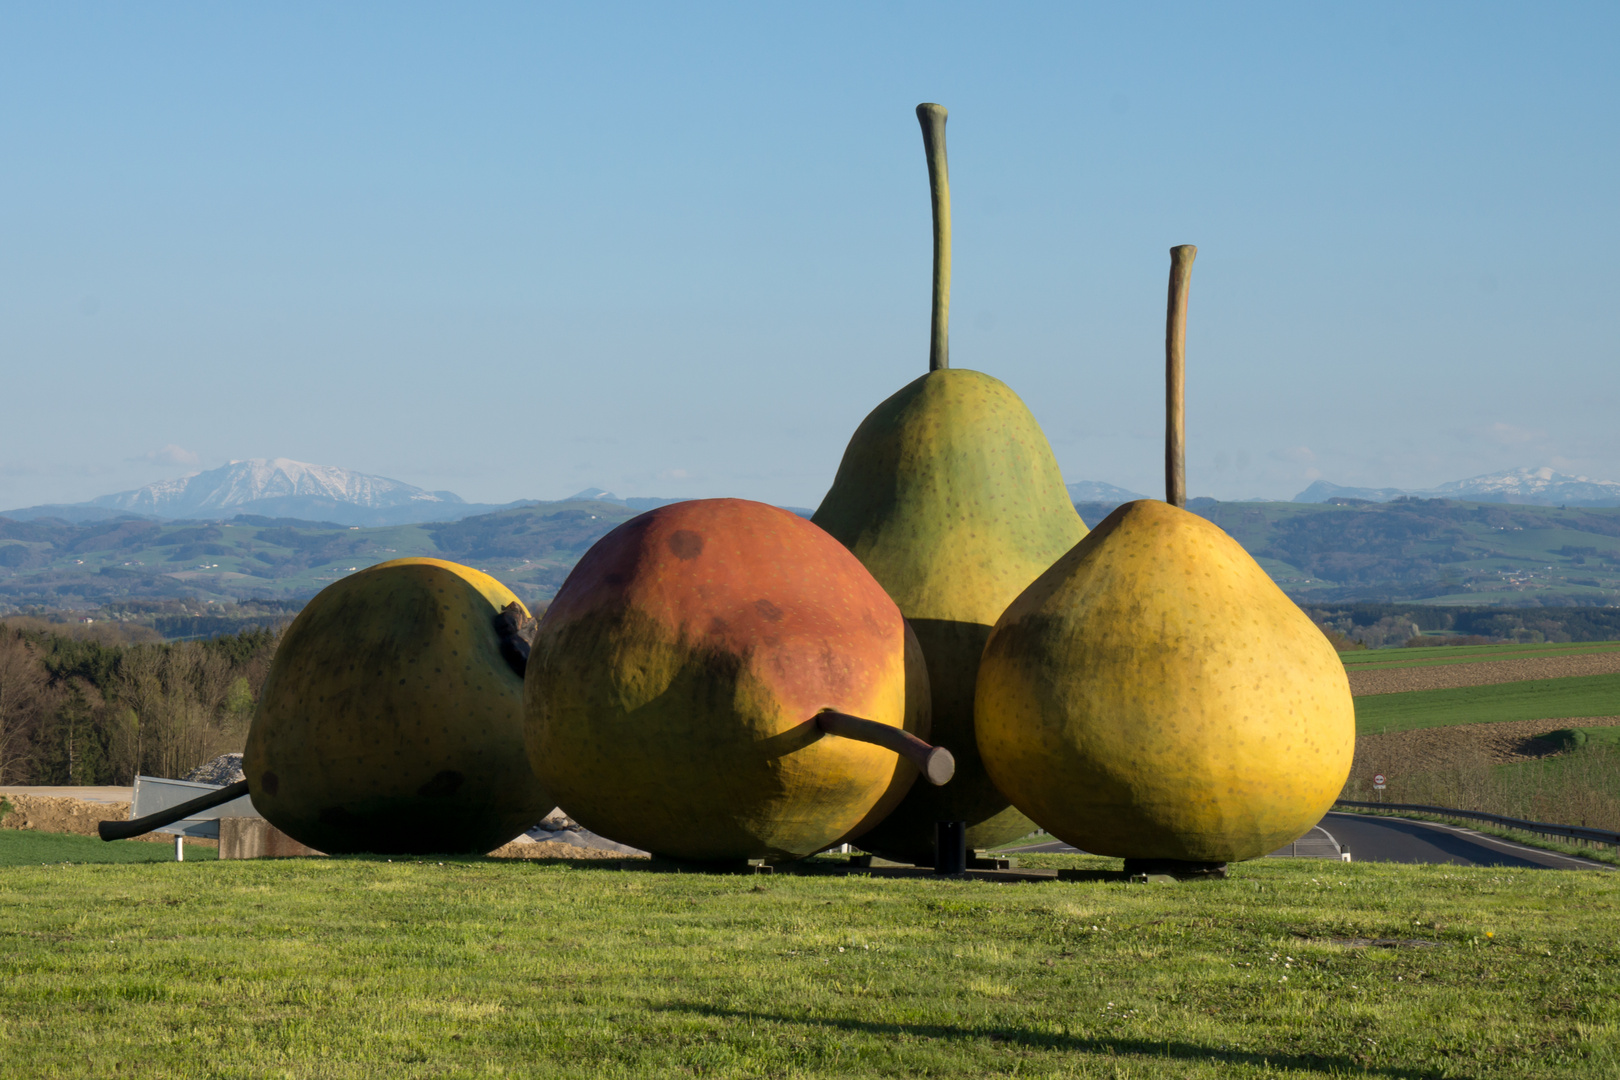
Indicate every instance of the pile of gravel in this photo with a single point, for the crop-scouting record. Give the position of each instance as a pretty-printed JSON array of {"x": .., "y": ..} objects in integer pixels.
[
  {"x": 225, "y": 769},
  {"x": 557, "y": 827}
]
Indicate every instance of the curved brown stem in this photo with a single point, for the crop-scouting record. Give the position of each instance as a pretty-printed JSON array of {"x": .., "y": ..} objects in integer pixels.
[
  {"x": 123, "y": 830},
  {"x": 932, "y": 119},
  {"x": 1175, "y": 376},
  {"x": 509, "y": 627},
  {"x": 934, "y": 762}
]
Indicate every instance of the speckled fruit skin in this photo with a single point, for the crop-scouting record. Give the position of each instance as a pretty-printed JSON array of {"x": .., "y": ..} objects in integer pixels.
[
  {"x": 950, "y": 496},
  {"x": 389, "y": 721},
  {"x": 674, "y": 681},
  {"x": 1155, "y": 695}
]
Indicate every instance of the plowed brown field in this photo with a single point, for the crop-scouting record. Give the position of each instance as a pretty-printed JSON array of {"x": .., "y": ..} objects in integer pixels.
[
  {"x": 1487, "y": 673},
  {"x": 1407, "y": 752}
]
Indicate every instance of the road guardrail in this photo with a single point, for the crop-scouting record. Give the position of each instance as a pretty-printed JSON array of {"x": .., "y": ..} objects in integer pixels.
[{"x": 1544, "y": 828}]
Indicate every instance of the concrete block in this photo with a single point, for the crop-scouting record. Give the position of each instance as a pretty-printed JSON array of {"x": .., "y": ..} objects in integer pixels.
[{"x": 256, "y": 838}]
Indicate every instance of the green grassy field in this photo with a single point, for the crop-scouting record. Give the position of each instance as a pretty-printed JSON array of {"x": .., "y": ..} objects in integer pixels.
[
  {"x": 1585, "y": 695},
  {"x": 365, "y": 968},
  {"x": 1362, "y": 660},
  {"x": 25, "y": 847}
]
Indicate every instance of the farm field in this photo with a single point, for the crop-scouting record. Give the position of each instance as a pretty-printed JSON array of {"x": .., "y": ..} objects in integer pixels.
[
  {"x": 1445, "y": 655},
  {"x": 360, "y": 967},
  {"x": 1485, "y": 671},
  {"x": 1492, "y": 746},
  {"x": 1536, "y": 699}
]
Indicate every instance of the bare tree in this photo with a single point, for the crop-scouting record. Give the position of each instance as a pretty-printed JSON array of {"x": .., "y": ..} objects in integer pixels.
[
  {"x": 140, "y": 688},
  {"x": 177, "y": 696},
  {"x": 25, "y": 694}
]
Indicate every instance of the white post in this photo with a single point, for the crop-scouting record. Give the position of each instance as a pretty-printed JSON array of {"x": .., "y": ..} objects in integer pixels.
[{"x": 179, "y": 847}]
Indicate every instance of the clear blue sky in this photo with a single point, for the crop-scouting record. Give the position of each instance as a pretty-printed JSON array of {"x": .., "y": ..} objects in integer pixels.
[{"x": 512, "y": 250}]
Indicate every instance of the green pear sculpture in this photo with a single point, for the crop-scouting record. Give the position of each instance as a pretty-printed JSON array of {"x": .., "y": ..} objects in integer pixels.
[
  {"x": 1154, "y": 695},
  {"x": 950, "y": 495}
]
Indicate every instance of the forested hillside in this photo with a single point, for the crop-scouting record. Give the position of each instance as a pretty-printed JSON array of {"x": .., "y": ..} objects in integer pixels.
[{"x": 96, "y": 705}]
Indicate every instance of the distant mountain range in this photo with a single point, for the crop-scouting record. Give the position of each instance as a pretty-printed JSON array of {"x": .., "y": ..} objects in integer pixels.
[
  {"x": 276, "y": 488},
  {"x": 1527, "y": 487},
  {"x": 283, "y": 488},
  {"x": 635, "y": 502}
]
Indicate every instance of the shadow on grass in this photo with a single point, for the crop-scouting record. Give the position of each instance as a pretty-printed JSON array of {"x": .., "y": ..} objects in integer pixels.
[{"x": 1037, "y": 1040}]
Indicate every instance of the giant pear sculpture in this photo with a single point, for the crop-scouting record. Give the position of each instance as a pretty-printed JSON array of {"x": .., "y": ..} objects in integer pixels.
[
  {"x": 950, "y": 495},
  {"x": 720, "y": 680},
  {"x": 1154, "y": 695}
]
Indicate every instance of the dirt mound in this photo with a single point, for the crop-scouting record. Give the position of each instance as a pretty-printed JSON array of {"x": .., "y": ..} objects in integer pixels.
[
  {"x": 61, "y": 814},
  {"x": 1485, "y": 673},
  {"x": 550, "y": 849},
  {"x": 64, "y": 815},
  {"x": 1410, "y": 752}
]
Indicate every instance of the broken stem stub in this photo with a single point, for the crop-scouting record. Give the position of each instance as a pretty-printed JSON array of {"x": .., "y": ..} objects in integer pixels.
[{"x": 934, "y": 762}]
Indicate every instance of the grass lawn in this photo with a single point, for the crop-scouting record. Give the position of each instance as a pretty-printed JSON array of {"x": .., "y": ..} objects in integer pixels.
[
  {"x": 361, "y": 967},
  {"x": 1538, "y": 699},
  {"x": 24, "y": 847}
]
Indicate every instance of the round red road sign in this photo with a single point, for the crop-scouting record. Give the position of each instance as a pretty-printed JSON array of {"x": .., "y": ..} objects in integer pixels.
[{"x": 1378, "y": 779}]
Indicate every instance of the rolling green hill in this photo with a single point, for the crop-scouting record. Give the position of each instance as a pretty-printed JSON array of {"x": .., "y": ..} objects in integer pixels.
[
  {"x": 1432, "y": 552},
  {"x": 52, "y": 564}
]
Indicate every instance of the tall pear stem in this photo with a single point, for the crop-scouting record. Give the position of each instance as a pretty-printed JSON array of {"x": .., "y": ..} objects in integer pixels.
[
  {"x": 932, "y": 119},
  {"x": 1175, "y": 376}
]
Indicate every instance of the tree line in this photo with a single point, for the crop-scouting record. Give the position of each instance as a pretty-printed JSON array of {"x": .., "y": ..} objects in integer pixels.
[
  {"x": 1376, "y": 626},
  {"x": 98, "y": 705}
]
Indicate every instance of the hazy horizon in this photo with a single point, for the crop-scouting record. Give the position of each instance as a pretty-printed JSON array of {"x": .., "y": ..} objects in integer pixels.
[
  {"x": 513, "y": 252},
  {"x": 636, "y": 494}
]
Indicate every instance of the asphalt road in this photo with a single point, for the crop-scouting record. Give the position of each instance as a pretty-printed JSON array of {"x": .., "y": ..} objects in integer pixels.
[
  {"x": 1384, "y": 839},
  {"x": 1396, "y": 840}
]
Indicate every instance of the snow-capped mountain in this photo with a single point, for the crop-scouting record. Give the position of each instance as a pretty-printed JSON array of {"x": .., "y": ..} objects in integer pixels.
[
  {"x": 1534, "y": 487},
  {"x": 1322, "y": 491},
  {"x": 1099, "y": 492},
  {"x": 275, "y": 488},
  {"x": 1541, "y": 486},
  {"x": 596, "y": 494},
  {"x": 233, "y": 486}
]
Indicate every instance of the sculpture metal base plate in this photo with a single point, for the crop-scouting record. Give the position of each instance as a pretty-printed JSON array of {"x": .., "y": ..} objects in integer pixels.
[{"x": 1173, "y": 870}]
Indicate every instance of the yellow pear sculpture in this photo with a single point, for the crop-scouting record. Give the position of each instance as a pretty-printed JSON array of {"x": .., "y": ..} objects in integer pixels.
[
  {"x": 1154, "y": 695},
  {"x": 391, "y": 719}
]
